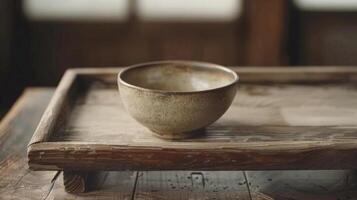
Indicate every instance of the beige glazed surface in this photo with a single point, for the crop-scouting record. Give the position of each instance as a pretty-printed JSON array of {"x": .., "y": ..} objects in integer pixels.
[{"x": 175, "y": 99}]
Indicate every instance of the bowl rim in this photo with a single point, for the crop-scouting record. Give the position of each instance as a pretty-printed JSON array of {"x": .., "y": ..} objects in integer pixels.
[{"x": 187, "y": 62}]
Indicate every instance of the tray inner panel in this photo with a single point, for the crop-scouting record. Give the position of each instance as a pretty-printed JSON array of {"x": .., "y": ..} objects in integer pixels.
[{"x": 283, "y": 112}]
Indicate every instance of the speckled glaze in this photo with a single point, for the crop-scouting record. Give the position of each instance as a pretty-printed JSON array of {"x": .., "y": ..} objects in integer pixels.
[{"x": 175, "y": 99}]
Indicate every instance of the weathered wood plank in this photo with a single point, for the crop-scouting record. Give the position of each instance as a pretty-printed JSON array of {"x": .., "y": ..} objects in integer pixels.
[
  {"x": 291, "y": 126},
  {"x": 307, "y": 185},
  {"x": 292, "y": 155},
  {"x": 191, "y": 185},
  {"x": 255, "y": 107},
  {"x": 22, "y": 116},
  {"x": 18, "y": 182},
  {"x": 56, "y": 111},
  {"x": 100, "y": 185},
  {"x": 16, "y": 129},
  {"x": 297, "y": 74},
  {"x": 76, "y": 181}
]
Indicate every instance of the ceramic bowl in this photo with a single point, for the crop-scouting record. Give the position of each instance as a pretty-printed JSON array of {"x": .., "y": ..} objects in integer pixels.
[{"x": 175, "y": 99}]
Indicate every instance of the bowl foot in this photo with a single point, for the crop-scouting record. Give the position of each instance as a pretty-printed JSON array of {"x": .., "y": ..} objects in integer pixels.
[{"x": 179, "y": 136}]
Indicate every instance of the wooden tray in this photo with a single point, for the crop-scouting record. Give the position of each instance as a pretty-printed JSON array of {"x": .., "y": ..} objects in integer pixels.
[{"x": 281, "y": 118}]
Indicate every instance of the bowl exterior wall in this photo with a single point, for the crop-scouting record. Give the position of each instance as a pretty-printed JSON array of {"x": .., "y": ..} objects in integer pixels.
[{"x": 175, "y": 113}]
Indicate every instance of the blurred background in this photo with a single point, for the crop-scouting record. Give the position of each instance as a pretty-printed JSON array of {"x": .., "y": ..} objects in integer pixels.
[{"x": 40, "y": 39}]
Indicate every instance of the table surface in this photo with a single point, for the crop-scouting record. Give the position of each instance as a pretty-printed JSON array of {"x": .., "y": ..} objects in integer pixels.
[{"x": 18, "y": 182}]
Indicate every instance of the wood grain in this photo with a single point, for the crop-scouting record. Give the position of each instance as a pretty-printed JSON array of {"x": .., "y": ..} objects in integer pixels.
[
  {"x": 16, "y": 129},
  {"x": 251, "y": 74},
  {"x": 75, "y": 181},
  {"x": 99, "y": 185},
  {"x": 299, "y": 122},
  {"x": 302, "y": 118},
  {"x": 17, "y": 182},
  {"x": 307, "y": 185},
  {"x": 191, "y": 185},
  {"x": 55, "y": 113}
]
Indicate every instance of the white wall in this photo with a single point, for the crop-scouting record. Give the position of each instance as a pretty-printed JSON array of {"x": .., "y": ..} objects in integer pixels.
[
  {"x": 326, "y": 5},
  {"x": 147, "y": 10}
]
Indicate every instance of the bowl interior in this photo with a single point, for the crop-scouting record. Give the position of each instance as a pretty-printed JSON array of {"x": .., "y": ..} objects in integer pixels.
[{"x": 178, "y": 77}]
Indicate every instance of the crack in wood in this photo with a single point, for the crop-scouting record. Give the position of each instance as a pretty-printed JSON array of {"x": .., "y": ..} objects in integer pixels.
[
  {"x": 135, "y": 185},
  {"x": 53, "y": 181},
  {"x": 247, "y": 184}
]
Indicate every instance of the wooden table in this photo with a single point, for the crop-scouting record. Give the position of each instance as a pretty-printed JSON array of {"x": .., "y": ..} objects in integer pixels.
[{"x": 18, "y": 182}]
